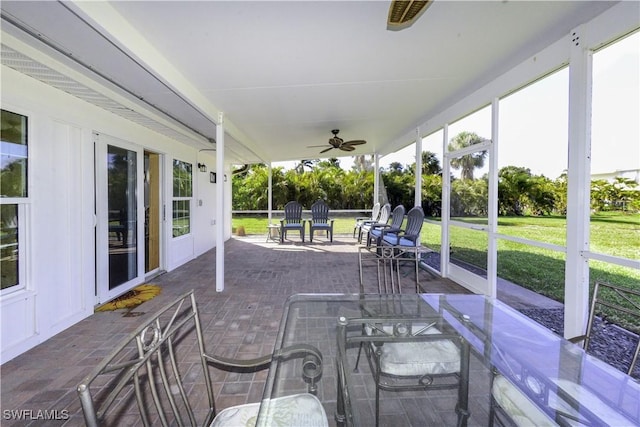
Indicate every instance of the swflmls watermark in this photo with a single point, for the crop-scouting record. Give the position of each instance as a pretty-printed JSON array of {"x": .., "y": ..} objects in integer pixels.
[{"x": 35, "y": 414}]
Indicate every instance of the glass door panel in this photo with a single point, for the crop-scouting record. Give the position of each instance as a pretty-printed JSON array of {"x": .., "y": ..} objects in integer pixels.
[
  {"x": 123, "y": 212},
  {"x": 119, "y": 217}
]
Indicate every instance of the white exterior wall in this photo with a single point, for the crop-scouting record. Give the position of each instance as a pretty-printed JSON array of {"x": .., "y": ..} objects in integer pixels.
[{"x": 60, "y": 239}]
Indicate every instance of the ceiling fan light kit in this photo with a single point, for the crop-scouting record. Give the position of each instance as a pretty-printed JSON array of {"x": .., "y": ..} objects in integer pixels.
[{"x": 402, "y": 14}]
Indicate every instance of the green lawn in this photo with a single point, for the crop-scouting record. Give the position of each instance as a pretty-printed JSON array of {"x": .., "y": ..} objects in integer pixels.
[{"x": 538, "y": 269}]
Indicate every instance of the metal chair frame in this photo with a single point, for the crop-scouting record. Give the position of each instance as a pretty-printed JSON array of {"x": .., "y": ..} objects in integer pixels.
[
  {"x": 392, "y": 326},
  {"x": 615, "y": 299},
  {"x": 158, "y": 376}
]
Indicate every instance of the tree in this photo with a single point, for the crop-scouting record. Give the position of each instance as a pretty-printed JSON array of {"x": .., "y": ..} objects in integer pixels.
[
  {"x": 362, "y": 164},
  {"x": 430, "y": 164},
  {"x": 329, "y": 163},
  {"x": 514, "y": 183},
  {"x": 305, "y": 163},
  {"x": 468, "y": 162},
  {"x": 396, "y": 167},
  {"x": 432, "y": 195}
]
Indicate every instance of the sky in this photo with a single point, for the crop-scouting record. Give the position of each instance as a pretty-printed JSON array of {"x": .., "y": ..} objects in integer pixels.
[{"x": 533, "y": 121}]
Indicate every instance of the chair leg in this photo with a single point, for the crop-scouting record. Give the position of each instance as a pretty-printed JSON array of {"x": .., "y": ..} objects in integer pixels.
[
  {"x": 377, "y": 405},
  {"x": 355, "y": 368}
]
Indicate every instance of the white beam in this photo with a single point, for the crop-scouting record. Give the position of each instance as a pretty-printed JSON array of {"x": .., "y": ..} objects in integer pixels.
[
  {"x": 418, "y": 189},
  {"x": 492, "y": 244},
  {"x": 576, "y": 286},
  {"x": 220, "y": 207},
  {"x": 376, "y": 180},
  {"x": 446, "y": 187},
  {"x": 270, "y": 193}
]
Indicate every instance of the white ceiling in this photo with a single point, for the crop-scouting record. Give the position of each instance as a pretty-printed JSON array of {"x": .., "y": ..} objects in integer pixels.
[{"x": 286, "y": 73}]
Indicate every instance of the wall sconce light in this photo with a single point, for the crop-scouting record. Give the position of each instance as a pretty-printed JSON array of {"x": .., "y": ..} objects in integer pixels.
[
  {"x": 225, "y": 177},
  {"x": 202, "y": 167},
  {"x": 212, "y": 177}
]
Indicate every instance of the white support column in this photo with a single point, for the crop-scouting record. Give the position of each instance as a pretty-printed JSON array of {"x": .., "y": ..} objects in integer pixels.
[
  {"x": 576, "y": 287},
  {"x": 492, "y": 247},
  {"x": 376, "y": 180},
  {"x": 220, "y": 208},
  {"x": 446, "y": 186},
  {"x": 418, "y": 189},
  {"x": 270, "y": 193}
]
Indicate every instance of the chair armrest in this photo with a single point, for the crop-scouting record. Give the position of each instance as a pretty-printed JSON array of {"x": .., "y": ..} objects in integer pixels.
[
  {"x": 389, "y": 230},
  {"x": 226, "y": 363},
  {"x": 578, "y": 339},
  {"x": 311, "y": 362},
  {"x": 380, "y": 225}
]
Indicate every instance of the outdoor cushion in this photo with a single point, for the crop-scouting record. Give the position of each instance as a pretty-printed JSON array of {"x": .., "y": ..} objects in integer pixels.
[
  {"x": 525, "y": 413},
  {"x": 298, "y": 410},
  {"x": 517, "y": 405},
  {"x": 392, "y": 239},
  {"x": 418, "y": 358}
]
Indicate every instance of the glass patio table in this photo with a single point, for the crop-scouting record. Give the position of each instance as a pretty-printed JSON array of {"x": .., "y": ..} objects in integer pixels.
[{"x": 494, "y": 340}]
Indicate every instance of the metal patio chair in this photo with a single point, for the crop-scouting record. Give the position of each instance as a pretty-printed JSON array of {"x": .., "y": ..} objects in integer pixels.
[
  {"x": 612, "y": 302},
  {"x": 409, "y": 350},
  {"x": 510, "y": 403},
  {"x": 160, "y": 375},
  {"x": 292, "y": 220},
  {"x": 320, "y": 220}
]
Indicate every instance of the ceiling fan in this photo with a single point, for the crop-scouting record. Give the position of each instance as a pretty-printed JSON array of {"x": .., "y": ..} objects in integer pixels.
[{"x": 339, "y": 143}]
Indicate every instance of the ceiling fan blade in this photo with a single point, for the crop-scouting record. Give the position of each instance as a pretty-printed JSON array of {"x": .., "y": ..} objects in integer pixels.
[
  {"x": 316, "y": 146},
  {"x": 355, "y": 142},
  {"x": 347, "y": 148},
  {"x": 324, "y": 151}
]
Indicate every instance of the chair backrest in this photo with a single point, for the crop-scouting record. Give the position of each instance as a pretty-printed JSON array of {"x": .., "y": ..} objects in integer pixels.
[
  {"x": 619, "y": 305},
  {"x": 385, "y": 213},
  {"x": 293, "y": 212},
  {"x": 320, "y": 212},
  {"x": 151, "y": 375},
  {"x": 375, "y": 212},
  {"x": 415, "y": 219},
  {"x": 397, "y": 217}
]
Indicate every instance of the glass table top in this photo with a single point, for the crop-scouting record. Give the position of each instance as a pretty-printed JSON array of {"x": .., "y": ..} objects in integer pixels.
[{"x": 502, "y": 342}]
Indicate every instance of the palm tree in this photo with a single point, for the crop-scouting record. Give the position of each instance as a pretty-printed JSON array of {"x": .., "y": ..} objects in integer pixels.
[
  {"x": 362, "y": 164},
  {"x": 430, "y": 164},
  {"x": 305, "y": 163},
  {"x": 467, "y": 162}
]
